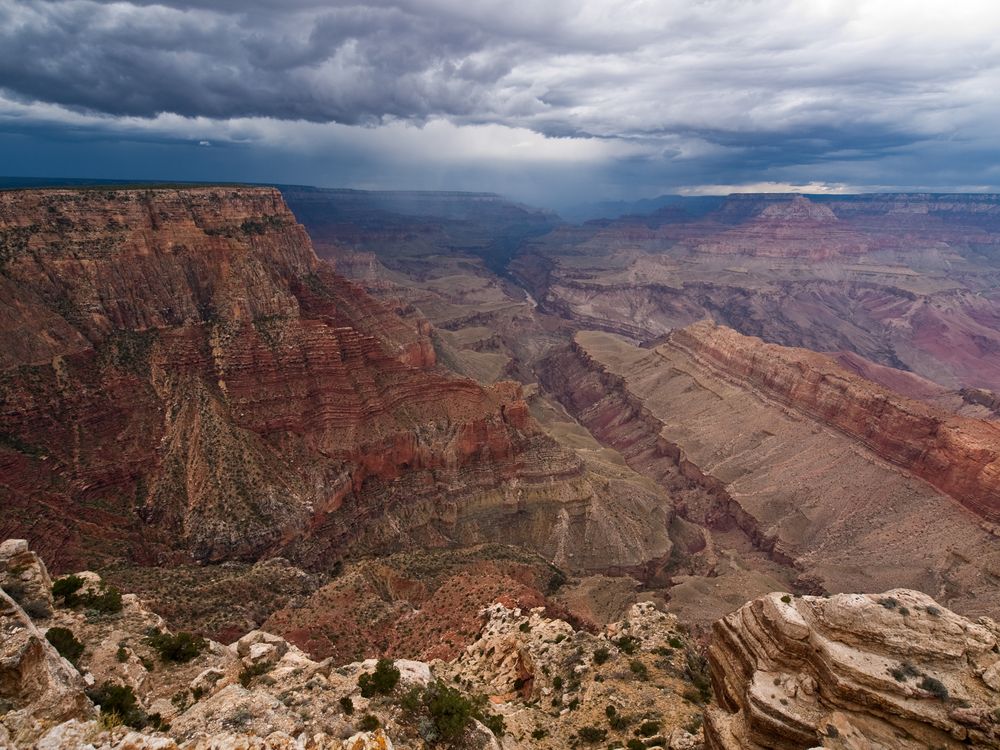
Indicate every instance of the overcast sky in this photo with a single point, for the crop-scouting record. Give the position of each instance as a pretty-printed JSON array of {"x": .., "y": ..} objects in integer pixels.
[{"x": 550, "y": 101}]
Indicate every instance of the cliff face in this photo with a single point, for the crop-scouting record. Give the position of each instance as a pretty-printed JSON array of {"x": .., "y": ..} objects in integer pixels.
[
  {"x": 818, "y": 467},
  {"x": 181, "y": 375},
  {"x": 853, "y": 671},
  {"x": 959, "y": 456}
]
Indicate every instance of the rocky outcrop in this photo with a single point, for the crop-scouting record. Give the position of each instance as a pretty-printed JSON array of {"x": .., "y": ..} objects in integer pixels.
[
  {"x": 24, "y": 577},
  {"x": 38, "y": 688},
  {"x": 548, "y": 685},
  {"x": 183, "y": 378},
  {"x": 853, "y": 671}
]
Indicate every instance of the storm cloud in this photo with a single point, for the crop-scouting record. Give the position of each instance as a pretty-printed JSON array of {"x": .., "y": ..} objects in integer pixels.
[{"x": 645, "y": 94}]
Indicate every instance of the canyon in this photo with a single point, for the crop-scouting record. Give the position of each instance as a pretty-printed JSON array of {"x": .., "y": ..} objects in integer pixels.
[
  {"x": 456, "y": 432},
  {"x": 906, "y": 281},
  {"x": 183, "y": 379}
]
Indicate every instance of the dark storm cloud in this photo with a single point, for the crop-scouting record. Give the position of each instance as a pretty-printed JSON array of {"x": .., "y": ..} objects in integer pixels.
[{"x": 667, "y": 92}]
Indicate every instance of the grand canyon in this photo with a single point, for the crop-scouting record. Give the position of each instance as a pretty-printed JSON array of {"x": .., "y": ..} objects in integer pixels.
[{"x": 584, "y": 483}]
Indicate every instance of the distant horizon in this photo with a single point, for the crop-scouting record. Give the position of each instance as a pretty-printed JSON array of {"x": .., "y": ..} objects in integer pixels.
[{"x": 30, "y": 182}]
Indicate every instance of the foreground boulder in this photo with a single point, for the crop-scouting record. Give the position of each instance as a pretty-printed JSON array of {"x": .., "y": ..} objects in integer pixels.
[
  {"x": 38, "y": 687},
  {"x": 24, "y": 577},
  {"x": 854, "y": 671}
]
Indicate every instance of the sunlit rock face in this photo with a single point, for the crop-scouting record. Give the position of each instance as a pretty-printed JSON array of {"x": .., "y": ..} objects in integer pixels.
[{"x": 853, "y": 671}]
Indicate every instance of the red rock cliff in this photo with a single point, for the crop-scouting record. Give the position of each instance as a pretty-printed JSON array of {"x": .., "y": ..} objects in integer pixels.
[
  {"x": 180, "y": 375},
  {"x": 959, "y": 456}
]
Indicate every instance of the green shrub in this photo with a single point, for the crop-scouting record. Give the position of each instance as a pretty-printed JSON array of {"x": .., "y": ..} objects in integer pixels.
[
  {"x": 121, "y": 655},
  {"x": 786, "y": 599},
  {"x": 347, "y": 705},
  {"x": 601, "y": 655},
  {"x": 182, "y": 647},
  {"x": 538, "y": 733},
  {"x": 639, "y": 669},
  {"x": 675, "y": 642},
  {"x": 627, "y": 644},
  {"x": 108, "y": 601},
  {"x": 65, "y": 643},
  {"x": 382, "y": 681},
  {"x": 368, "y": 723},
  {"x": 65, "y": 588},
  {"x": 493, "y": 722},
  {"x": 592, "y": 734},
  {"x": 449, "y": 710},
  {"x": 557, "y": 682},
  {"x": 648, "y": 728},
  {"x": 412, "y": 700},
  {"x": 904, "y": 671},
  {"x": 118, "y": 702},
  {"x": 634, "y": 744}
]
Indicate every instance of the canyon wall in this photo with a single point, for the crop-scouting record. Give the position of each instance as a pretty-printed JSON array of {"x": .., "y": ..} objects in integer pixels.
[
  {"x": 786, "y": 447},
  {"x": 181, "y": 376}
]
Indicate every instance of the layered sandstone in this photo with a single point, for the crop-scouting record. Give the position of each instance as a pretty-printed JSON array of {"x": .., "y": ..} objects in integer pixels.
[
  {"x": 959, "y": 456},
  {"x": 853, "y": 671},
  {"x": 821, "y": 469},
  {"x": 184, "y": 378}
]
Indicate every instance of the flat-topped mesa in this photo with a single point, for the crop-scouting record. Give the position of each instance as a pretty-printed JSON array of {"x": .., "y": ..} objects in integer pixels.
[
  {"x": 853, "y": 671},
  {"x": 181, "y": 375},
  {"x": 959, "y": 456}
]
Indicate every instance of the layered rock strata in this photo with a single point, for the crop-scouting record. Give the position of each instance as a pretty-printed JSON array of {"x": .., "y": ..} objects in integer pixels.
[
  {"x": 855, "y": 671},
  {"x": 182, "y": 377},
  {"x": 905, "y": 281},
  {"x": 819, "y": 467}
]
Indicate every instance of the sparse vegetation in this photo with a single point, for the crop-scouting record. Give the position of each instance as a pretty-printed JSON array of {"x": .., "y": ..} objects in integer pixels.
[
  {"x": 119, "y": 705},
  {"x": 934, "y": 686},
  {"x": 648, "y": 728},
  {"x": 65, "y": 588},
  {"x": 65, "y": 643},
  {"x": 347, "y": 705},
  {"x": 627, "y": 644},
  {"x": 180, "y": 648},
  {"x": 590, "y": 735},
  {"x": 248, "y": 673},
  {"x": 601, "y": 655},
  {"x": 382, "y": 681},
  {"x": 638, "y": 669},
  {"x": 904, "y": 671},
  {"x": 368, "y": 723}
]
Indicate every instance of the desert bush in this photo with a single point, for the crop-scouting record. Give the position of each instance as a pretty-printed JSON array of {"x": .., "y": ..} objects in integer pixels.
[
  {"x": 65, "y": 588},
  {"x": 382, "y": 681},
  {"x": 118, "y": 703},
  {"x": 180, "y": 648},
  {"x": 601, "y": 655},
  {"x": 65, "y": 643},
  {"x": 592, "y": 734},
  {"x": 368, "y": 723}
]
